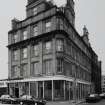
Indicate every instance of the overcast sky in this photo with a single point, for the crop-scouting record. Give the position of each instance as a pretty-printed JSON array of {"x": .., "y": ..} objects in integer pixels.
[{"x": 88, "y": 12}]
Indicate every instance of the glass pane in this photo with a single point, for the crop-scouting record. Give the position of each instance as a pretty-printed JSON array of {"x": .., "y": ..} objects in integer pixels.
[
  {"x": 48, "y": 90},
  {"x": 24, "y": 35},
  {"x": 33, "y": 89},
  {"x": 58, "y": 90},
  {"x": 35, "y": 30},
  {"x": 40, "y": 90}
]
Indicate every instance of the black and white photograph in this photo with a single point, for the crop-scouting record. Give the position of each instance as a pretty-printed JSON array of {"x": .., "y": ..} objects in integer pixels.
[{"x": 52, "y": 52}]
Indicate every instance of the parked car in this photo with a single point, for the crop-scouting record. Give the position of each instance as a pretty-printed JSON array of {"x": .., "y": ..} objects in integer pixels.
[
  {"x": 93, "y": 98},
  {"x": 102, "y": 95},
  {"x": 7, "y": 99},
  {"x": 30, "y": 100}
]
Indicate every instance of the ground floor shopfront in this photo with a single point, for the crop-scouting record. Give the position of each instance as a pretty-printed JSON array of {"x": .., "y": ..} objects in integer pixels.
[{"x": 50, "y": 89}]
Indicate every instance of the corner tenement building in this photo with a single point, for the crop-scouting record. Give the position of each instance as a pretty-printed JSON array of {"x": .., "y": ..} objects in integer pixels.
[{"x": 48, "y": 58}]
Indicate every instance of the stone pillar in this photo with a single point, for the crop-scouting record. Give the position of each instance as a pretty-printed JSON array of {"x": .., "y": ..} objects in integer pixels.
[
  {"x": 64, "y": 89},
  {"x": 37, "y": 89},
  {"x": 43, "y": 89},
  {"x": 69, "y": 91},
  {"x": 52, "y": 90},
  {"x": 29, "y": 88}
]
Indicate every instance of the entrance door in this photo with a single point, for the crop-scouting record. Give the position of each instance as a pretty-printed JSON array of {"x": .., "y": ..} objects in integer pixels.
[{"x": 17, "y": 92}]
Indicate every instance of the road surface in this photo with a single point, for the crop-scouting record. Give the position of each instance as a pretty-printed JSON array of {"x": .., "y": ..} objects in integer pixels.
[{"x": 102, "y": 102}]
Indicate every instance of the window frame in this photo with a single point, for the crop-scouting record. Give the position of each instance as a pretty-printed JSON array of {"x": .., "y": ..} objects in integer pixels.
[
  {"x": 24, "y": 71},
  {"x": 59, "y": 45},
  {"x": 35, "y": 30},
  {"x": 35, "y": 69},
  {"x": 15, "y": 55},
  {"x": 45, "y": 47},
  {"x": 60, "y": 65},
  {"x": 35, "y": 52},
  {"x": 48, "y": 25},
  {"x": 35, "y": 10},
  {"x": 47, "y": 66},
  {"x": 14, "y": 72},
  {"x": 24, "y": 53},
  {"x": 15, "y": 37},
  {"x": 24, "y": 36}
]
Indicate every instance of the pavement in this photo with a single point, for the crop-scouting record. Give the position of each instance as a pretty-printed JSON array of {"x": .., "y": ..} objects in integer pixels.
[{"x": 65, "y": 102}]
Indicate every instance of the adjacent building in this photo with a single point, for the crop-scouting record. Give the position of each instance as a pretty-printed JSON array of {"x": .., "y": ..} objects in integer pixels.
[
  {"x": 47, "y": 57},
  {"x": 3, "y": 86},
  {"x": 103, "y": 84}
]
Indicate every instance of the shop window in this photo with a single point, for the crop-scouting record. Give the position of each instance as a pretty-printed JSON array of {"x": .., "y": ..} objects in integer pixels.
[
  {"x": 59, "y": 90},
  {"x": 48, "y": 90}
]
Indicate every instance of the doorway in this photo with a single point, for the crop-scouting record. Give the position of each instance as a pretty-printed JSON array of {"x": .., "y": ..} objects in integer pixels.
[{"x": 17, "y": 92}]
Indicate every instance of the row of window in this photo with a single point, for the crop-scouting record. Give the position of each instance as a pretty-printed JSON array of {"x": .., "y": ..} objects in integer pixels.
[
  {"x": 35, "y": 31},
  {"x": 78, "y": 55},
  {"x": 76, "y": 71},
  {"x": 36, "y": 70},
  {"x": 47, "y": 48},
  {"x": 64, "y": 25},
  {"x": 65, "y": 68}
]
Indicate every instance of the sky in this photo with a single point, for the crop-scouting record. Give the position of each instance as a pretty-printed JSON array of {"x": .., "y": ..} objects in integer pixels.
[{"x": 88, "y": 12}]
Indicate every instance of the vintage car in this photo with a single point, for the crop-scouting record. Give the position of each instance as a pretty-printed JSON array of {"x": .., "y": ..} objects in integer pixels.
[
  {"x": 30, "y": 100},
  {"x": 102, "y": 95},
  {"x": 7, "y": 99},
  {"x": 93, "y": 98}
]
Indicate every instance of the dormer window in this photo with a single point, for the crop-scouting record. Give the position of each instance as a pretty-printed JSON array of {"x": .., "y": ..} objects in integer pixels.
[{"x": 35, "y": 11}]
